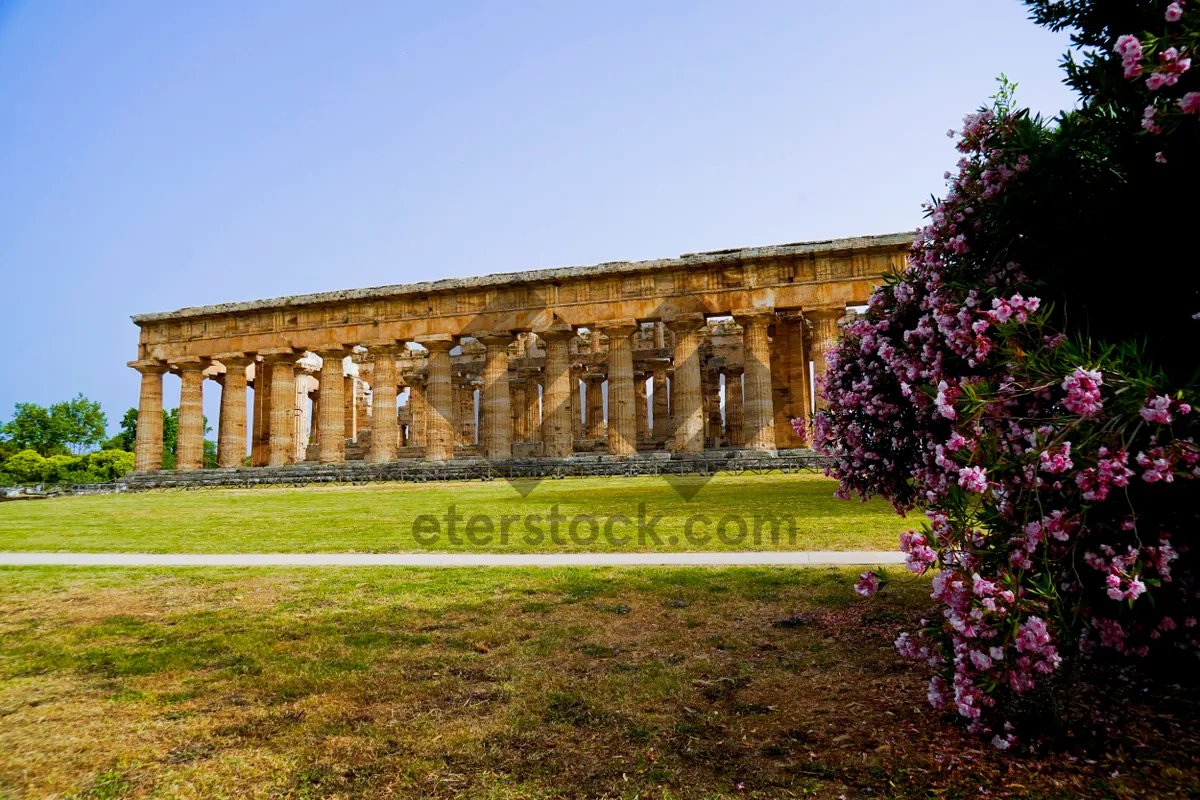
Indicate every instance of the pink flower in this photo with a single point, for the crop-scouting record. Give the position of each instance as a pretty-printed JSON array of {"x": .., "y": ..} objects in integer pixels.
[
  {"x": 868, "y": 584},
  {"x": 1174, "y": 12},
  {"x": 1157, "y": 409},
  {"x": 1160, "y": 157},
  {"x": 1083, "y": 391},
  {"x": 1189, "y": 103},
  {"x": 1130, "y": 50},
  {"x": 973, "y": 479},
  {"x": 1157, "y": 80}
]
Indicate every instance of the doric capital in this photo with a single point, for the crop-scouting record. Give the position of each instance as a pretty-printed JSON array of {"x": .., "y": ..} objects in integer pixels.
[
  {"x": 233, "y": 361},
  {"x": 557, "y": 331},
  {"x": 384, "y": 347},
  {"x": 749, "y": 317},
  {"x": 281, "y": 355},
  {"x": 496, "y": 338},
  {"x": 437, "y": 342},
  {"x": 685, "y": 323},
  {"x": 190, "y": 364},
  {"x": 149, "y": 366},
  {"x": 618, "y": 328}
]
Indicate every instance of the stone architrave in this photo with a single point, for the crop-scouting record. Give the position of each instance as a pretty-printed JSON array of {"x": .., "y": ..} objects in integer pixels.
[
  {"x": 148, "y": 447},
  {"x": 687, "y": 401}
]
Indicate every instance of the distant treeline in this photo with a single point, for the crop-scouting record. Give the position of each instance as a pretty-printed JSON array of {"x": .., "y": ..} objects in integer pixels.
[{"x": 65, "y": 443}]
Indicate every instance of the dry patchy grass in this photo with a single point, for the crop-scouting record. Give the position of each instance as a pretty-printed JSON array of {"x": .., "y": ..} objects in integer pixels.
[{"x": 504, "y": 684}]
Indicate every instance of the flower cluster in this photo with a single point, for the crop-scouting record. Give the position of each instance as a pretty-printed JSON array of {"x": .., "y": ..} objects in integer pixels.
[
  {"x": 1164, "y": 60},
  {"x": 1043, "y": 465}
]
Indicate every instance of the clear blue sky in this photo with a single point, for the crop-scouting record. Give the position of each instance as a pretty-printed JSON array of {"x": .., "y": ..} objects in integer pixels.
[{"x": 158, "y": 155}]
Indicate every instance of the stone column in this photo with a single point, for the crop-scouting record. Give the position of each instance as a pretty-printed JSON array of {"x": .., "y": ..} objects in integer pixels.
[
  {"x": 260, "y": 435},
  {"x": 711, "y": 382},
  {"x": 439, "y": 398},
  {"x": 758, "y": 406},
  {"x": 640, "y": 409},
  {"x": 417, "y": 416},
  {"x": 622, "y": 425},
  {"x": 149, "y": 442},
  {"x": 734, "y": 415},
  {"x": 825, "y": 334},
  {"x": 349, "y": 418},
  {"x": 189, "y": 451},
  {"x": 332, "y": 407},
  {"x": 558, "y": 429},
  {"x": 517, "y": 400},
  {"x": 660, "y": 335},
  {"x": 231, "y": 439},
  {"x": 594, "y": 387},
  {"x": 662, "y": 419},
  {"x": 299, "y": 427},
  {"x": 384, "y": 436},
  {"x": 531, "y": 409},
  {"x": 789, "y": 365},
  {"x": 314, "y": 416},
  {"x": 281, "y": 367},
  {"x": 576, "y": 406},
  {"x": 687, "y": 402},
  {"x": 497, "y": 411}
]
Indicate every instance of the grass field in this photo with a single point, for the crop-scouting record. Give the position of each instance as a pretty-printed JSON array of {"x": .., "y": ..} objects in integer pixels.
[
  {"x": 384, "y": 518},
  {"x": 634, "y": 683}
]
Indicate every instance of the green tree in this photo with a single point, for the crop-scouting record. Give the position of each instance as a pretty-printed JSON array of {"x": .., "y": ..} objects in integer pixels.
[
  {"x": 31, "y": 429},
  {"x": 78, "y": 423},
  {"x": 127, "y": 437}
]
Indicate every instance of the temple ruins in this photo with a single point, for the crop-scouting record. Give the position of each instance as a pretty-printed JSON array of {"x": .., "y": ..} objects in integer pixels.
[{"x": 703, "y": 352}]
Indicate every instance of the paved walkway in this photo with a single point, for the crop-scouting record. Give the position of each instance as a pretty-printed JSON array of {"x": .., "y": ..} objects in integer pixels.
[{"x": 713, "y": 559}]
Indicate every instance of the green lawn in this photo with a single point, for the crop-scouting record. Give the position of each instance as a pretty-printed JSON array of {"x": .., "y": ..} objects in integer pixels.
[
  {"x": 385, "y": 518},
  {"x": 499, "y": 683}
]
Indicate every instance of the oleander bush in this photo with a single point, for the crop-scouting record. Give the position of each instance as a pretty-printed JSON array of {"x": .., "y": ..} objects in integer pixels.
[{"x": 1028, "y": 383}]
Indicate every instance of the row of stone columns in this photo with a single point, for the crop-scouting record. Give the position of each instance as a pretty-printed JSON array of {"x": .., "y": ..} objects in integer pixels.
[{"x": 506, "y": 413}]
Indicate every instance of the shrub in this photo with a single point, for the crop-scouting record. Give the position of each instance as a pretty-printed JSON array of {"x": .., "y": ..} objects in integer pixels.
[
  {"x": 1052, "y": 453},
  {"x": 27, "y": 466}
]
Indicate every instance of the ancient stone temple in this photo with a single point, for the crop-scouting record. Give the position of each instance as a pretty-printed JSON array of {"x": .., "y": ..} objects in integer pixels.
[{"x": 684, "y": 355}]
